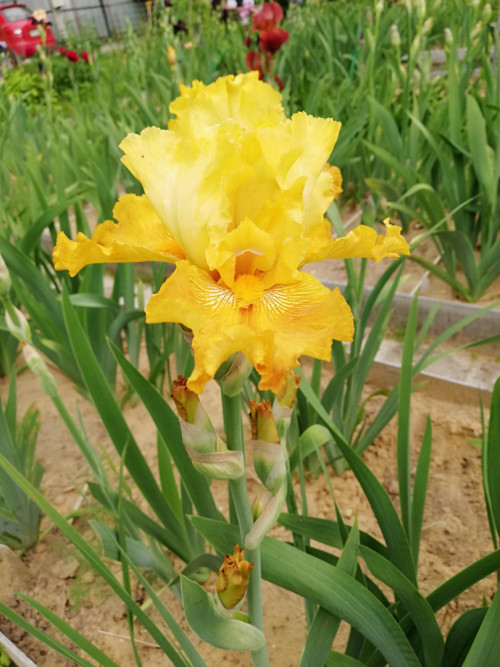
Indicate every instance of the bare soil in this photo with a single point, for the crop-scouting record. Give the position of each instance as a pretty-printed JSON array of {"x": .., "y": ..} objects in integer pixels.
[{"x": 455, "y": 529}]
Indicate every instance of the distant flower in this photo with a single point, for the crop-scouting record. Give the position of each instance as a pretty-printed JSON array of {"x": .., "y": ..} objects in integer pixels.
[
  {"x": 247, "y": 8},
  {"x": 30, "y": 51},
  {"x": 267, "y": 16},
  {"x": 61, "y": 49},
  {"x": 39, "y": 17},
  {"x": 71, "y": 55},
  {"x": 86, "y": 57},
  {"x": 270, "y": 41},
  {"x": 171, "y": 56},
  {"x": 253, "y": 62},
  {"x": 180, "y": 26}
]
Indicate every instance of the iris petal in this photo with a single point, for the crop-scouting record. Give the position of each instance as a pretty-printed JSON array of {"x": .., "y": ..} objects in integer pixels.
[
  {"x": 138, "y": 236},
  {"x": 361, "y": 242},
  {"x": 272, "y": 331}
]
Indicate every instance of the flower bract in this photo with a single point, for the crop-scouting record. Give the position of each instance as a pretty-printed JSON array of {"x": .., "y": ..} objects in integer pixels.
[{"x": 235, "y": 196}]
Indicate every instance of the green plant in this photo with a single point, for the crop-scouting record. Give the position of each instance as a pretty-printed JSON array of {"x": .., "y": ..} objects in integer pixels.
[{"x": 19, "y": 516}]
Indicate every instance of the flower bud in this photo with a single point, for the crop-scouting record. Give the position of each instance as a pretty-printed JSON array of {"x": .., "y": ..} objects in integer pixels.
[
  {"x": 395, "y": 36},
  {"x": 233, "y": 374},
  {"x": 17, "y": 323},
  {"x": 448, "y": 36},
  {"x": 37, "y": 365},
  {"x": 266, "y": 519},
  {"x": 171, "y": 56},
  {"x": 427, "y": 25},
  {"x": 260, "y": 502},
  {"x": 208, "y": 452},
  {"x": 262, "y": 422},
  {"x": 288, "y": 395},
  {"x": 232, "y": 581},
  {"x": 5, "y": 283},
  {"x": 188, "y": 405},
  {"x": 487, "y": 12},
  {"x": 269, "y": 463},
  {"x": 476, "y": 30}
]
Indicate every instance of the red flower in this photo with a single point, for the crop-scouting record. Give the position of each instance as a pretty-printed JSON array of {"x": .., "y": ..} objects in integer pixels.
[
  {"x": 268, "y": 16},
  {"x": 247, "y": 41},
  {"x": 71, "y": 55},
  {"x": 61, "y": 49},
  {"x": 272, "y": 40},
  {"x": 254, "y": 62},
  {"x": 85, "y": 57},
  {"x": 30, "y": 51}
]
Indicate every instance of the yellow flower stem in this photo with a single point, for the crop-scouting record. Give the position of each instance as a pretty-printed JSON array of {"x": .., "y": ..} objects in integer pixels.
[{"x": 231, "y": 408}]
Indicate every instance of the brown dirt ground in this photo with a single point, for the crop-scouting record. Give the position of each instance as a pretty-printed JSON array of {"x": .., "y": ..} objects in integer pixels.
[{"x": 455, "y": 529}]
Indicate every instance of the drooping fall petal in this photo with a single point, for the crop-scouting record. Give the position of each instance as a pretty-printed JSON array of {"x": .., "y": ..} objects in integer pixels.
[
  {"x": 272, "y": 327},
  {"x": 138, "y": 236},
  {"x": 363, "y": 241}
]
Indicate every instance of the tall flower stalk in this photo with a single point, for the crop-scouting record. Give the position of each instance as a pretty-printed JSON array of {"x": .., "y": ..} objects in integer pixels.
[{"x": 235, "y": 195}]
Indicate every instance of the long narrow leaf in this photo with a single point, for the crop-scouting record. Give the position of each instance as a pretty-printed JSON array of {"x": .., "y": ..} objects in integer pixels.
[{"x": 328, "y": 586}]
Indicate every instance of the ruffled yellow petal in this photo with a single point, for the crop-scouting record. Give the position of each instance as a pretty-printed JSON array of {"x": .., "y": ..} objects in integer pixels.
[
  {"x": 243, "y": 99},
  {"x": 337, "y": 179},
  {"x": 271, "y": 327},
  {"x": 139, "y": 236},
  {"x": 361, "y": 242}
]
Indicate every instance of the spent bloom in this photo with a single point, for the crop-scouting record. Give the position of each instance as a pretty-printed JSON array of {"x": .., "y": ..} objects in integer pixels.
[
  {"x": 235, "y": 195},
  {"x": 232, "y": 582}
]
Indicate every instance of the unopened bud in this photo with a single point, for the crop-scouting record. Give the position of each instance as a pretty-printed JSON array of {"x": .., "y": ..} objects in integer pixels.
[
  {"x": 263, "y": 423},
  {"x": 232, "y": 582},
  {"x": 233, "y": 374},
  {"x": 427, "y": 25},
  {"x": 379, "y": 6},
  {"x": 395, "y": 36},
  {"x": 17, "y": 323},
  {"x": 37, "y": 365},
  {"x": 260, "y": 502},
  {"x": 171, "y": 56},
  {"x": 5, "y": 283},
  {"x": 208, "y": 452},
  {"x": 476, "y": 30},
  {"x": 448, "y": 36},
  {"x": 267, "y": 519},
  {"x": 487, "y": 12},
  {"x": 188, "y": 405}
]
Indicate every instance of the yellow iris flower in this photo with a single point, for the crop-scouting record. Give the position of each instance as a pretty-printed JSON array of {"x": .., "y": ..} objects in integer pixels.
[{"x": 235, "y": 195}]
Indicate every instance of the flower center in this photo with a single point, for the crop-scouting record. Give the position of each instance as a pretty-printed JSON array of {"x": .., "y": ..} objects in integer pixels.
[{"x": 247, "y": 289}]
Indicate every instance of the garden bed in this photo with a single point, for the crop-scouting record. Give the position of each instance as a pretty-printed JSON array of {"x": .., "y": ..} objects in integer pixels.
[{"x": 455, "y": 531}]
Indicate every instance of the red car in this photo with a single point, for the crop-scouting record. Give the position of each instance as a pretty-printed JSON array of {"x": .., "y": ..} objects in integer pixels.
[{"x": 19, "y": 33}]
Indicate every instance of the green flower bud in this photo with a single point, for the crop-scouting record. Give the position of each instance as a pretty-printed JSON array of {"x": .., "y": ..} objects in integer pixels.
[
  {"x": 208, "y": 452},
  {"x": 233, "y": 374},
  {"x": 17, "y": 323},
  {"x": 5, "y": 283},
  {"x": 266, "y": 520},
  {"x": 37, "y": 365}
]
